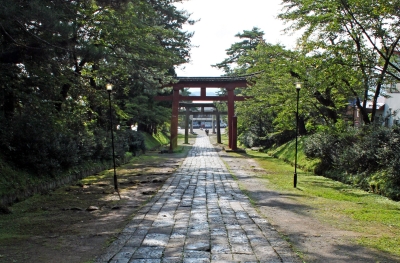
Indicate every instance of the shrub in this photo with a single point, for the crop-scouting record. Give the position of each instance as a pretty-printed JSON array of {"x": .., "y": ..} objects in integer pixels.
[
  {"x": 321, "y": 146},
  {"x": 249, "y": 139},
  {"x": 280, "y": 138},
  {"x": 40, "y": 144},
  {"x": 135, "y": 142},
  {"x": 44, "y": 145},
  {"x": 368, "y": 157}
]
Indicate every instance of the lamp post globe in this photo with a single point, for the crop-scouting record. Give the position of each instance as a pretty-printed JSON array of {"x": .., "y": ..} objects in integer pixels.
[
  {"x": 298, "y": 87},
  {"x": 109, "y": 87}
]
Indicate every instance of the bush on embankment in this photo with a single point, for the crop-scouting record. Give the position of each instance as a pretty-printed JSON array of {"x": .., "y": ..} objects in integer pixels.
[
  {"x": 155, "y": 141},
  {"x": 250, "y": 139},
  {"x": 17, "y": 184},
  {"x": 368, "y": 157},
  {"x": 287, "y": 152}
]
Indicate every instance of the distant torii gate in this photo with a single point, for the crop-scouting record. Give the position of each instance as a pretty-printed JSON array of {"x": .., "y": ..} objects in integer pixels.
[
  {"x": 187, "y": 113},
  {"x": 228, "y": 83}
]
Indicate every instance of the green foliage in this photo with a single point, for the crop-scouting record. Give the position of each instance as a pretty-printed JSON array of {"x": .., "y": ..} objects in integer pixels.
[
  {"x": 129, "y": 141},
  {"x": 319, "y": 146},
  {"x": 279, "y": 138},
  {"x": 368, "y": 157},
  {"x": 155, "y": 141},
  {"x": 353, "y": 42},
  {"x": 12, "y": 179},
  {"x": 273, "y": 103},
  {"x": 15, "y": 179},
  {"x": 254, "y": 123},
  {"x": 322, "y": 100},
  {"x": 287, "y": 150},
  {"x": 249, "y": 139},
  {"x": 162, "y": 137},
  {"x": 55, "y": 60},
  {"x": 274, "y": 140},
  {"x": 238, "y": 50},
  {"x": 39, "y": 144}
]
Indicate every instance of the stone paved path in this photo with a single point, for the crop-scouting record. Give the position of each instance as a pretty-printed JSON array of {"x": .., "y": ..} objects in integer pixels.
[{"x": 199, "y": 215}]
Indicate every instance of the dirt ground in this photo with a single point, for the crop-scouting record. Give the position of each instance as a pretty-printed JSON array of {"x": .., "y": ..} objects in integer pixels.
[{"x": 74, "y": 224}]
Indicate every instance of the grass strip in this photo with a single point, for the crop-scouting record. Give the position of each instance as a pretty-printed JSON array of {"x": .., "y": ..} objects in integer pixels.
[{"x": 375, "y": 217}]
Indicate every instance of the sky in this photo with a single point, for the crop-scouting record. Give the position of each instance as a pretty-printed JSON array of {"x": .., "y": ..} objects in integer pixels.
[{"x": 220, "y": 21}]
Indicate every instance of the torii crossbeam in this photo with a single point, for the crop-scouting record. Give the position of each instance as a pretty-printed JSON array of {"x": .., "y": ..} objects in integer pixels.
[{"x": 228, "y": 83}]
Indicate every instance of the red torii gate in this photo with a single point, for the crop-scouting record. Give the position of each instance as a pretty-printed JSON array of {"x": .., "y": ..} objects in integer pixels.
[{"x": 228, "y": 83}]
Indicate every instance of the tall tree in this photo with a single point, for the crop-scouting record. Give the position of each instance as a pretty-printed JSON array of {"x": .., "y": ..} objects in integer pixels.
[
  {"x": 323, "y": 96},
  {"x": 250, "y": 40},
  {"x": 56, "y": 57},
  {"x": 358, "y": 34},
  {"x": 273, "y": 89}
]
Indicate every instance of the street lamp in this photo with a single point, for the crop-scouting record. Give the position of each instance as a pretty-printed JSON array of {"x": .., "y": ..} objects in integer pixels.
[
  {"x": 298, "y": 87},
  {"x": 109, "y": 89}
]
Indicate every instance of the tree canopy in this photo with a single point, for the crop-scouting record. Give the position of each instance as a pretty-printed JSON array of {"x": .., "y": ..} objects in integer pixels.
[
  {"x": 362, "y": 36},
  {"x": 251, "y": 38},
  {"x": 347, "y": 55},
  {"x": 56, "y": 57}
]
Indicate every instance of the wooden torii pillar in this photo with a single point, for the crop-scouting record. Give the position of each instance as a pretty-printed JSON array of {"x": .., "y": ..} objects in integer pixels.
[
  {"x": 231, "y": 113},
  {"x": 218, "y": 127},
  {"x": 229, "y": 83}
]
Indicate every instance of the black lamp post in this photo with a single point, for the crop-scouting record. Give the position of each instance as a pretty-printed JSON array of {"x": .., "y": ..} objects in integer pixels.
[
  {"x": 109, "y": 89},
  {"x": 298, "y": 87}
]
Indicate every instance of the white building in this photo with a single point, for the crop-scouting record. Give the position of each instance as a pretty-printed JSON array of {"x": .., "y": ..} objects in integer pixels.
[
  {"x": 391, "y": 111},
  {"x": 387, "y": 108}
]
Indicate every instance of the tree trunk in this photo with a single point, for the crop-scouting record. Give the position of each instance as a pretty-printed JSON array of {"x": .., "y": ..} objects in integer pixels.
[
  {"x": 302, "y": 126},
  {"x": 363, "y": 111}
]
